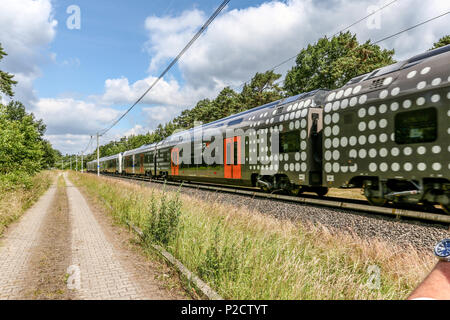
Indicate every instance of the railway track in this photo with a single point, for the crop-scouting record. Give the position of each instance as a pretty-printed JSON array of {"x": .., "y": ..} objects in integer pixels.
[{"x": 431, "y": 214}]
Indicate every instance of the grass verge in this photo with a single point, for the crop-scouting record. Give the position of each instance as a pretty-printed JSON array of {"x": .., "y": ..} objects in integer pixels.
[
  {"x": 14, "y": 201},
  {"x": 247, "y": 255}
]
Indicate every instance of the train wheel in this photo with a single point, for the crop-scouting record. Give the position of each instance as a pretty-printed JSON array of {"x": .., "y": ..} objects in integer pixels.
[
  {"x": 446, "y": 208},
  {"x": 376, "y": 201},
  {"x": 322, "y": 191}
]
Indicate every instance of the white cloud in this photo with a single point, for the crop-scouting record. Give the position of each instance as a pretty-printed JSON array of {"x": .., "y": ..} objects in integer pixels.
[
  {"x": 242, "y": 42},
  {"x": 70, "y": 143},
  {"x": 26, "y": 28},
  {"x": 170, "y": 34},
  {"x": 136, "y": 130},
  {"x": 166, "y": 92},
  {"x": 69, "y": 116}
]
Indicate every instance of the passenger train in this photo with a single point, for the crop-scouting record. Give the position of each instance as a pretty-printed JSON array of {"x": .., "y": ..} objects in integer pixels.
[{"x": 387, "y": 132}]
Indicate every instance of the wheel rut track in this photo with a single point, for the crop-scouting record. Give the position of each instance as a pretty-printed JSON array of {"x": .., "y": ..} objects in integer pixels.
[{"x": 52, "y": 254}]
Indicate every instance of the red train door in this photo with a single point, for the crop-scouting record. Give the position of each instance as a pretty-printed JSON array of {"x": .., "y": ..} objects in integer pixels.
[
  {"x": 141, "y": 169},
  {"x": 232, "y": 158},
  {"x": 175, "y": 162}
]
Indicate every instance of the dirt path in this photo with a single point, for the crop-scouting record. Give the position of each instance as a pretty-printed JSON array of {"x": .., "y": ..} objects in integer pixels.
[{"x": 61, "y": 249}]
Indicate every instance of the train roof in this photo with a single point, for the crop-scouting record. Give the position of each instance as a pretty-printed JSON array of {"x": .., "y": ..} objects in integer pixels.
[
  {"x": 142, "y": 149},
  {"x": 393, "y": 81},
  {"x": 106, "y": 158},
  {"x": 238, "y": 118}
]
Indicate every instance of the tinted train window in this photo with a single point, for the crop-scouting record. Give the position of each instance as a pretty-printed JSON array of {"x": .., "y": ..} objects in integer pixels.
[
  {"x": 416, "y": 126},
  {"x": 290, "y": 141}
]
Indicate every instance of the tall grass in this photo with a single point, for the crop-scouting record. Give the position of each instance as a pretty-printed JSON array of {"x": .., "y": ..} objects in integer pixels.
[
  {"x": 18, "y": 193},
  {"x": 247, "y": 255}
]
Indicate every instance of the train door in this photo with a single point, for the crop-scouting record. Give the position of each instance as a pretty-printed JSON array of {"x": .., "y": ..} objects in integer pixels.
[
  {"x": 141, "y": 164},
  {"x": 175, "y": 161},
  {"x": 232, "y": 158}
]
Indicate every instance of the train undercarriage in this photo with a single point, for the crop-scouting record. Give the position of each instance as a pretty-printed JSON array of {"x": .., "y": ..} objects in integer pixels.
[{"x": 428, "y": 192}]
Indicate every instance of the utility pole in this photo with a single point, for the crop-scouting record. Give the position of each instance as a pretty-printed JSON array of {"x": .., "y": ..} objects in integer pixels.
[
  {"x": 98, "y": 156},
  {"x": 82, "y": 166},
  {"x": 76, "y": 161}
]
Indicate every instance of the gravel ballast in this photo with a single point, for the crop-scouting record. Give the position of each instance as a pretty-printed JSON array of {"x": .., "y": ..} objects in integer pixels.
[{"x": 421, "y": 235}]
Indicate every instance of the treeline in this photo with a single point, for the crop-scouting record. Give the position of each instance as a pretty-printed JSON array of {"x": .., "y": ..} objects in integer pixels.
[
  {"x": 329, "y": 63},
  {"x": 23, "y": 149}
]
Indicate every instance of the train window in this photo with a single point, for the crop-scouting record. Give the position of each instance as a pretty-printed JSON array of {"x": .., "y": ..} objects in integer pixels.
[
  {"x": 235, "y": 122},
  {"x": 348, "y": 118},
  {"x": 416, "y": 126},
  {"x": 290, "y": 141}
]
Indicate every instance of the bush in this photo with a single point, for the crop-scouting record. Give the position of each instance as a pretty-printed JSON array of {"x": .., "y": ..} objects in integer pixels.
[
  {"x": 15, "y": 180},
  {"x": 162, "y": 223}
]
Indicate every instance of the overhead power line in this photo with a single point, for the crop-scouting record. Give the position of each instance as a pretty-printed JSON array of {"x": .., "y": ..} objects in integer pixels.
[
  {"x": 342, "y": 30},
  {"x": 174, "y": 61},
  {"x": 400, "y": 32},
  {"x": 88, "y": 146},
  {"x": 412, "y": 27}
]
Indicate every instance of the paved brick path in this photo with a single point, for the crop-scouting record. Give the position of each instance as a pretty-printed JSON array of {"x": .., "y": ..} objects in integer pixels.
[
  {"x": 102, "y": 275},
  {"x": 17, "y": 246},
  {"x": 105, "y": 270}
]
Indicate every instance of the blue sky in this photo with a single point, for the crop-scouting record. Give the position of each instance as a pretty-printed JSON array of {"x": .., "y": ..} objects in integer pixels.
[{"x": 78, "y": 81}]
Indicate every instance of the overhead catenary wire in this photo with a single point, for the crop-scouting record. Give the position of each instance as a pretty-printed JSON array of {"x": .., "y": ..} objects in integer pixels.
[
  {"x": 174, "y": 61},
  {"x": 412, "y": 27},
  {"x": 340, "y": 31},
  {"x": 398, "y": 33}
]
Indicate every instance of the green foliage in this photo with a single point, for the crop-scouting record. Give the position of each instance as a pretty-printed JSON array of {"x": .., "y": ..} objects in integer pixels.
[
  {"x": 6, "y": 79},
  {"x": 21, "y": 146},
  {"x": 162, "y": 222},
  {"x": 330, "y": 63},
  {"x": 262, "y": 89},
  {"x": 23, "y": 151},
  {"x": 442, "y": 42}
]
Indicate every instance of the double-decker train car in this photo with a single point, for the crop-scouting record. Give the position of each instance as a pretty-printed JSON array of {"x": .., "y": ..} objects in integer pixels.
[
  {"x": 242, "y": 151},
  {"x": 386, "y": 132},
  {"x": 140, "y": 161}
]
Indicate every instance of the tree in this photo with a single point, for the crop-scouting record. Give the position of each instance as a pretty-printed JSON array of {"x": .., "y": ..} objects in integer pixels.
[
  {"x": 261, "y": 90},
  {"x": 15, "y": 111},
  {"x": 21, "y": 146},
  {"x": 441, "y": 42},
  {"x": 6, "y": 79},
  {"x": 330, "y": 63}
]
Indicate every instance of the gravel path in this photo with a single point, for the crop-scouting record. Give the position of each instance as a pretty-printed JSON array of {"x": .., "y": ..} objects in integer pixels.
[{"x": 421, "y": 235}]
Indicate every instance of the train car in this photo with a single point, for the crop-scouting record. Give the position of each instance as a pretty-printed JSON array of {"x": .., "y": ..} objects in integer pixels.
[
  {"x": 140, "y": 161},
  {"x": 91, "y": 166},
  {"x": 111, "y": 164},
  {"x": 275, "y": 147},
  {"x": 388, "y": 132}
]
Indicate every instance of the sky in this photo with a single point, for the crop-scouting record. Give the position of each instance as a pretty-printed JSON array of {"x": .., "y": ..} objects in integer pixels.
[{"x": 80, "y": 72}]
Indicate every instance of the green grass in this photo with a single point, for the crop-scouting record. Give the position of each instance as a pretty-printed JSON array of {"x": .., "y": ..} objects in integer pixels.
[
  {"x": 15, "y": 198},
  {"x": 247, "y": 255}
]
